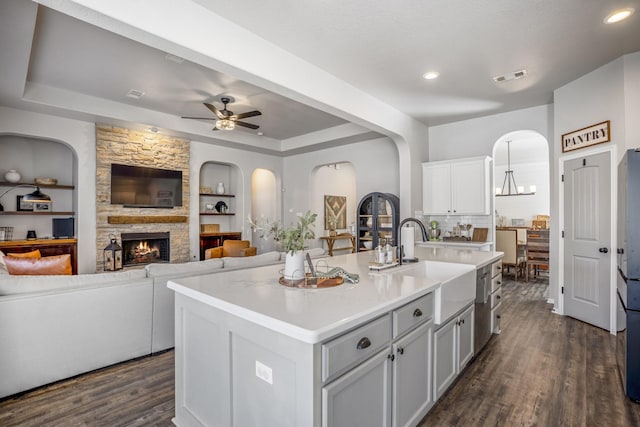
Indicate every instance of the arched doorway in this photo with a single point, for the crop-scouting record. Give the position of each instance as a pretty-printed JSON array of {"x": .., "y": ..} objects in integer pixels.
[{"x": 522, "y": 201}]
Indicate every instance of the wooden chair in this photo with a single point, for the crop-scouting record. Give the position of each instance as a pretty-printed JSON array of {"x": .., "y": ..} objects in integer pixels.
[
  {"x": 233, "y": 248},
  {"x": 537, "y": 251},
  {"x": 507, "y": 242}
]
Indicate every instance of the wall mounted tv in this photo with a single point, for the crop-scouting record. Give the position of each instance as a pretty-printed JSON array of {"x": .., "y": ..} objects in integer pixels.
[{"x": 142, "y": 187}]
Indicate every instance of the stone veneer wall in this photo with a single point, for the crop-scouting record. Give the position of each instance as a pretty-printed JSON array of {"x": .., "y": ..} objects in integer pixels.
[{"x": 131, "y": 147}]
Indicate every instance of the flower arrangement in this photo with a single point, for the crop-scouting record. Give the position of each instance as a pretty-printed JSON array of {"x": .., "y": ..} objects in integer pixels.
[{"x": 292, "y": 239}]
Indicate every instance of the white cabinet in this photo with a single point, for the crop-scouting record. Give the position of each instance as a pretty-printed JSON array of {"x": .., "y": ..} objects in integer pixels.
[
  {"x": 452, "y": 350},
  {"x": 412, "y": 396},
  {"x": 459, "y": 187}
]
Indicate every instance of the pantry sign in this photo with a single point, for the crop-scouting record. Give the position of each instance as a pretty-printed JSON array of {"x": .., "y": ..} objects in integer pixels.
[{"x": 586, "y": 137}]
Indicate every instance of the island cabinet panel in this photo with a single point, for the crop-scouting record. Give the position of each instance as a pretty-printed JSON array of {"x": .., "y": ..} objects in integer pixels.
[
  {"x": 230, "y": 371},
  {"x": 361, "y": 397},
  {"x": 412, "y": 395}
]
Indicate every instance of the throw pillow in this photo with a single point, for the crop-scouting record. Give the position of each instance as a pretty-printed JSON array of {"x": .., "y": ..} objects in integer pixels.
[
  {"x": 32, "y": 254},
  {"x": 49, "y": 265}
]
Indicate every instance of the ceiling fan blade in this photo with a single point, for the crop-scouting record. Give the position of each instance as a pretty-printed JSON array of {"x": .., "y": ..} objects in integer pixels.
[
  {"x": 214, "y": 110},
  {"x": 199, "y": 118},
  {"x": 249, "y": 114},
  {"x": 246, "y": 125}
]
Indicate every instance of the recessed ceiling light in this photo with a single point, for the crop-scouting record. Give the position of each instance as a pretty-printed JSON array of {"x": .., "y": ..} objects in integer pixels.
[
  {"x": 135, "y": 94},
  {"x": 154, "y": 129},
  {"x": 618, "y": 15},
  {"x": 260, "y": 133},
  {"x": 430, "y": 75}
]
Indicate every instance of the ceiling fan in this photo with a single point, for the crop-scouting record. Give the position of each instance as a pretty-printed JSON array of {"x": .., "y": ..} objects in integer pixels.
[{"x": 225, "y": 119}]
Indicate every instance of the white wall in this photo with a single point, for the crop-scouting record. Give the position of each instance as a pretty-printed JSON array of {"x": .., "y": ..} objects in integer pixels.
[
  {"x": 375, "y": 164},
  {"x": 632, "y": 99},
  {"x": 80, "y": 137},
  {"x": 591, "y": 99},
  {"x": 476, "y": 137},
  {"x": 264, "y": 206},
  {"x": 244, "y": 163}
]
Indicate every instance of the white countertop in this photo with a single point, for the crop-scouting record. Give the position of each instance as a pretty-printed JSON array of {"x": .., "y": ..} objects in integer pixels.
[{"x": 314, "y": 315}]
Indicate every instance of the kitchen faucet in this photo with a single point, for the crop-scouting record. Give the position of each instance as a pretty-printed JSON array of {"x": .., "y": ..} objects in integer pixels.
[{"x": 403, "y": 222}]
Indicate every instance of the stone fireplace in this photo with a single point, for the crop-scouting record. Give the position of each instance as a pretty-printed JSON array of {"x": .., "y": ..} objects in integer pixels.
[
  {"x": 140, "y": 148},
  {"x": 145, "y": 248}
]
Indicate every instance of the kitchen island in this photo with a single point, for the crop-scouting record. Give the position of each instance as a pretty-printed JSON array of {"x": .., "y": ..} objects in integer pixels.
[{"x": 250, "y": 351}]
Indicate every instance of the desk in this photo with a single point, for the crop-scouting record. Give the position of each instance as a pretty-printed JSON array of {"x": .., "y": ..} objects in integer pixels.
[
  {"x": 332, "y": 239},
  {"x": 47, "y": 247}
]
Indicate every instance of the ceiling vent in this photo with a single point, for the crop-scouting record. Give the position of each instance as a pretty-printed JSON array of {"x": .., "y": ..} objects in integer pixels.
[
  {"x": 135, "y": 94},
  {"x": 510, "y": 76}
]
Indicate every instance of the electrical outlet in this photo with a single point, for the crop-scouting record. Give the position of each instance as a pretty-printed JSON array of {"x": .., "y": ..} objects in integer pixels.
[{"x": 264, "y": 372}]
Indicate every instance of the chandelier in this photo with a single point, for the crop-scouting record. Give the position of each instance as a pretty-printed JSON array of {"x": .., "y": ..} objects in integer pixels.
[{"x": 509, "y": 179}]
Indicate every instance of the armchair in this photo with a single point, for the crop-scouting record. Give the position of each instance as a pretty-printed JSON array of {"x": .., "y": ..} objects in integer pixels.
[{"x": 231, "y": 248}]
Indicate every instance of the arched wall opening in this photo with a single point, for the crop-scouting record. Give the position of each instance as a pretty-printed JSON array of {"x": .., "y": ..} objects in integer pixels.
[
  {"x": 264, "y": 205},
  {"x": 37, "y": 158},
  {"x": 334, "y": 179},
  {"x": 529, "y": 163}
]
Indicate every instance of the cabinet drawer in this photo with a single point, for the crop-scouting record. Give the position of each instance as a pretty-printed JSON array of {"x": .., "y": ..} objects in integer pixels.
[
  {"x": 496, "y": 268},
  {"x": 496, "y": 314},
  {"x": 355, "y": 346},
  {"x": 496, "y": 283},
  {"x": 496, "y": 297},
  {"x": 412, "y": 314}
]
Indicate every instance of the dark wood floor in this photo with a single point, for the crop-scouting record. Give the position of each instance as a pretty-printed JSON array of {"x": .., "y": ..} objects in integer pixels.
[{"x": 543, "y": 370}]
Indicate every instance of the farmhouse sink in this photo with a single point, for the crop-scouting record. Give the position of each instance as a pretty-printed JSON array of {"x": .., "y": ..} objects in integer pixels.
[{"x": 457, "y": 285}]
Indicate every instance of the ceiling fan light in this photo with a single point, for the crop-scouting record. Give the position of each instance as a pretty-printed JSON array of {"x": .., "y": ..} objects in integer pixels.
[{"x": 225, "y": 124}]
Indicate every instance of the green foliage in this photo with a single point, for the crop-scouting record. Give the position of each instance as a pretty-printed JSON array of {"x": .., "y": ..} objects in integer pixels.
[{"x": 291, "y": 239}]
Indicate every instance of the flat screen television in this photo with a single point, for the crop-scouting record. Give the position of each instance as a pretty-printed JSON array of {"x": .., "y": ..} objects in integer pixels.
[{"x": 142, "y": 187}]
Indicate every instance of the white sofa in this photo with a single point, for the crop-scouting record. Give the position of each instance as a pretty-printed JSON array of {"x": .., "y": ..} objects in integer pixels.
[{"x": 55, "y": 327}]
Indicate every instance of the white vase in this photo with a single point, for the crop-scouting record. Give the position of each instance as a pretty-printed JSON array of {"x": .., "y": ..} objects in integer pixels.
[
  {"x": 294, "y": 266},
  {"x": 220, "y": 188},
  {"x": 12, "y": 176}
]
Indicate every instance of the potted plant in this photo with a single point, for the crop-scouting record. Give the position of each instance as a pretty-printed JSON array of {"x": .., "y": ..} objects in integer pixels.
[{"x": 292, "y": 239}]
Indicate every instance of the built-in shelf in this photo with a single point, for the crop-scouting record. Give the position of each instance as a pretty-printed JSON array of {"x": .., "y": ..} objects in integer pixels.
[
  {"x": 16, "y": 184},
  {"x": 216, "y": 214},
  {"x": 217, "y": 195},
  {"x": 36, "y": 213}
]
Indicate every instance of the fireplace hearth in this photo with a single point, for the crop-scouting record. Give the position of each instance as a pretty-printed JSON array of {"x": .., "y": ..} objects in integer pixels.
[{"x": 145, "y": 248}]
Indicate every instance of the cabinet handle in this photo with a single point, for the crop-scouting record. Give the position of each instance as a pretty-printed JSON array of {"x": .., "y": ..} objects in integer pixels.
[
  {"x": 498, "y": 316},
  {"x": 363, "y": 343},
  {"x": 417, "y": 312},
  {"x": 391, "y": 357},
  {"x": 498, "y": 296},
  {"x": 400, "y": 350},
  {"x": 499, "y": 282}
]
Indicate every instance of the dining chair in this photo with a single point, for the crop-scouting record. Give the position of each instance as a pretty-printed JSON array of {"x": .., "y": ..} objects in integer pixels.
[
  {"x": 507, "y": 242},
  {"x": 537, "y": 251}
]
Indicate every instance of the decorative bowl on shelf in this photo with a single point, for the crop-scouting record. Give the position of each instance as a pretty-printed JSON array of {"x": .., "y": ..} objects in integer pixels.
[
  {"x": 46, "y": 181},
  {"x": 368, "y": 244}
]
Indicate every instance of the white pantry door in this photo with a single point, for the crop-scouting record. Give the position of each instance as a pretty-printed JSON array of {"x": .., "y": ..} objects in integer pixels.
[{"x": 587, "y": 238}]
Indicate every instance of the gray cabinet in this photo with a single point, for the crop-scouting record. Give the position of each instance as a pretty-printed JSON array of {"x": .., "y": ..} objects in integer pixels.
[
  {"x": 452, "y": 350},
  {"x": 412, "y": 396},
  {"x": 361, "y": 397}
]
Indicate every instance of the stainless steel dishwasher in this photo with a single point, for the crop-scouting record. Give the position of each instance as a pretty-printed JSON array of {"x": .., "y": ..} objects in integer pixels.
[{"x": 482, "y": 320}]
